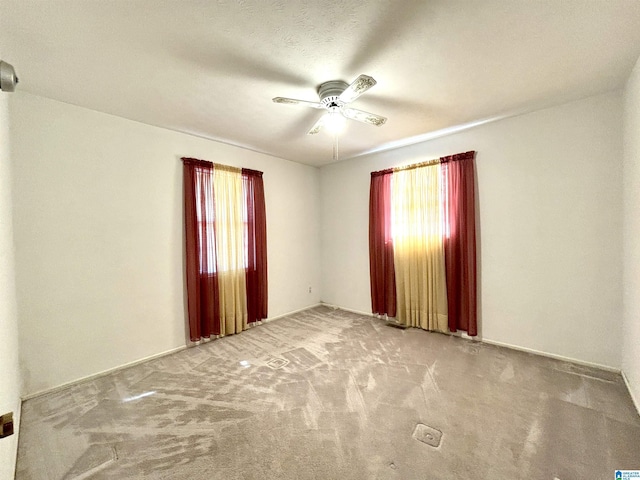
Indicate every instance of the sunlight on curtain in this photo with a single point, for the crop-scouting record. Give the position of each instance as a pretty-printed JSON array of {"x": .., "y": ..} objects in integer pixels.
[
  {"x": 227, "y": 185},
  {"x": 419, "y": 259}
]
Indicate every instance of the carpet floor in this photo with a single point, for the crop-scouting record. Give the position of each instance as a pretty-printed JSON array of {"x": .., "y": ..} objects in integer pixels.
[{"x": 328, "y": 394}]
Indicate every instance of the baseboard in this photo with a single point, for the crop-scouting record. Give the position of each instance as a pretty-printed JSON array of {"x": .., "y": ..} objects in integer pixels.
[
  {"x": 551, "y": 355},
  {"x": 102, "y": 373},
  {"x": 368, "y": 314},
  {"x": 137, "y": 362},
  {"x": 271, "y": 319},
  {"x": 336, "y": 307},
  {"x": 636, "y": 401},
  {"x": 501, "y": 344}
]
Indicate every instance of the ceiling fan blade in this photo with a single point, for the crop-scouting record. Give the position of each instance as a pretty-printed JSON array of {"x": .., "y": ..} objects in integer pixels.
[
  {"x": 293, "y": 101},
  {"x": 357, "y": 88},
  {"x": 366, "y": 117},
  {"x": 318, "y": 125}
]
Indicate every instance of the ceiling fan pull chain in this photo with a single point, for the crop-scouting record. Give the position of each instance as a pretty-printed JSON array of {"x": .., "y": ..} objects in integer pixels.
[{"x": 335, "y": 147}]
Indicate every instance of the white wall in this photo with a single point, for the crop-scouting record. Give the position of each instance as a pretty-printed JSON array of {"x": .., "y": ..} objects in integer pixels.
[
  {"x": 99, "y": 234},
  {"x": 549, "y": 227},
  {"x": 631, "y": 235},
  {"x": 99, "y": 237},
  {"x": 10, "y": 389}
]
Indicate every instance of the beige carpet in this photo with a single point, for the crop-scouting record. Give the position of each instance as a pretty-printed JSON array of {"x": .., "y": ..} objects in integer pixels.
[{"x": 327, "y": 394}]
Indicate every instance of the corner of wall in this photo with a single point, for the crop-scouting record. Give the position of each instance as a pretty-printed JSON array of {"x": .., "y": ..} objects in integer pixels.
[
  {"x": 9, "y": 365},
  {"x": 631, "y": 231}
]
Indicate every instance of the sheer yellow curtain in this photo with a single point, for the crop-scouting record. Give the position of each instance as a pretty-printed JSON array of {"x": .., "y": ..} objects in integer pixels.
[
  {"x": 229, "y": 225},
  {"x": 421, "y": 283}
]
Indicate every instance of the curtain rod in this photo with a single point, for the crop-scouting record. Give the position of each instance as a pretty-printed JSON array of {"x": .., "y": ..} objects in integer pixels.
[
  {"x": 428, "y": 163},
  {"x": 208, "y": 164}
]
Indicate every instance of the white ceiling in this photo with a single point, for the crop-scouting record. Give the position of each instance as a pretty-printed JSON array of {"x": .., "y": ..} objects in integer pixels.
[{"x": 211, "y": 68}]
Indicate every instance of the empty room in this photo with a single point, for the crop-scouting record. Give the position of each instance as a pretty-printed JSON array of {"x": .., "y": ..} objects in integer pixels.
[{"x": 320, "y": 240}]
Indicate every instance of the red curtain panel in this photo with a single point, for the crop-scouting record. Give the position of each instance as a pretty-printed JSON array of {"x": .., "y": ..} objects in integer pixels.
[
  {"x": 381, "y": 266},
  {"x": 202, "y": 283},
  {"x": 458, "y": 173},
  {"x": 256, "y": 245}
]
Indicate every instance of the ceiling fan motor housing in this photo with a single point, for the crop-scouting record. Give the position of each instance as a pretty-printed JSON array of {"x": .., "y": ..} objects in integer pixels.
[
  {"x": 329, "y": 93},
  {"x": 335, "y": 95}
]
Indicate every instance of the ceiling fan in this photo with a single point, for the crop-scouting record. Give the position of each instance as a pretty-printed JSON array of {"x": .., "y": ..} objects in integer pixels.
[{"x": 335, "y": 95}]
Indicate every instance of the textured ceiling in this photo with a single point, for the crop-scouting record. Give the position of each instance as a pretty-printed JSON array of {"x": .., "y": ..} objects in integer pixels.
[{"x": 211, "y": 68}]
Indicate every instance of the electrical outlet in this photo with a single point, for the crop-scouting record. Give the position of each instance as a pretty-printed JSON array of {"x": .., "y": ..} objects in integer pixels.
[
  {"x": 6, "y": 425},
  {"x": 309, "y": 289}
]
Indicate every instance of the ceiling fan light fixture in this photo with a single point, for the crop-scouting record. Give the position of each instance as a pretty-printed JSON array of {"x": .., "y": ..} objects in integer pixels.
[{"x": 335, "y": 122}]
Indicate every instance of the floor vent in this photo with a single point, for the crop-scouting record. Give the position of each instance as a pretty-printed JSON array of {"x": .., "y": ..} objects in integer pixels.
[
  {"x": 391, "y": 323},
  {"x": 428, "y": 435},
  {"x": 277, "y": 363}
]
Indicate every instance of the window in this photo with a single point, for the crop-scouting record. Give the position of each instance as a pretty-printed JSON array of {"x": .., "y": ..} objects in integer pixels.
[
  {"x": 226, "y": 247},
  {"x": 422, "y": 240}
]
